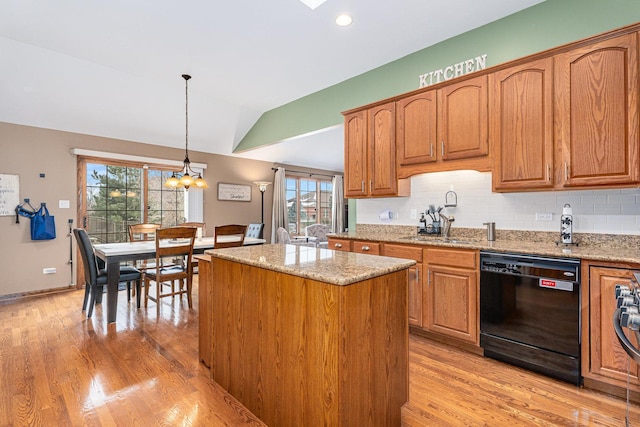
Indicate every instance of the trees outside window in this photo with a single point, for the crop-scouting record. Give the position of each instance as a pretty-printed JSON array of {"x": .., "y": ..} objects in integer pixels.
[{"x": 308, "y": 202}]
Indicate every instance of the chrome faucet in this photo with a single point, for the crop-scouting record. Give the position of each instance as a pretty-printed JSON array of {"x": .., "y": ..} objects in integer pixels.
[{"x": 446, "y": 224}]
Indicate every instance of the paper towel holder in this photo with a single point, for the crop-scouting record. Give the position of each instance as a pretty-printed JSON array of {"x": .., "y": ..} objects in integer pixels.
[{"x": 450, "y": 203}]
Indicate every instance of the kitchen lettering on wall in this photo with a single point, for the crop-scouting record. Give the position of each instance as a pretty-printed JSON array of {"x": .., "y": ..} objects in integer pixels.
[{"x": 452, "y": 71}]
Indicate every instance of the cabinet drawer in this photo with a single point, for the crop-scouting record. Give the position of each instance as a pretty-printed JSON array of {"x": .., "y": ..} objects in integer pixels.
[
  {"x": 402, "y": 251},
  {"x": 452, "y": 257},
  {"x": 339, "y": 244},
  {"x": 371, "y": 248}
]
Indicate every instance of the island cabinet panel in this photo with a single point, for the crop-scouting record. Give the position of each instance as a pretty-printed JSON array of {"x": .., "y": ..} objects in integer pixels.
[
  {"x": 204, "y": 314},
  {"x": 597, "y": 113},
  {"x": 522, "y": 126},
  {"x": 300, "y": 352}
]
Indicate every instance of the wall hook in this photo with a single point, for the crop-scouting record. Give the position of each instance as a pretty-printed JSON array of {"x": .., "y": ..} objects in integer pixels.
[{"x": 454, "y": 199}]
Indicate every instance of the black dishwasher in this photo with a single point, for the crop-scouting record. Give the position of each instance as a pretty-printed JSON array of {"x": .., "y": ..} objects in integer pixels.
[{"x": 530, "y": 312}]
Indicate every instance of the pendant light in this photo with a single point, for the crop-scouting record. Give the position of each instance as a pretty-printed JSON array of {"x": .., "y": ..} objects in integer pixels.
[{"x": 188, "y": 177}]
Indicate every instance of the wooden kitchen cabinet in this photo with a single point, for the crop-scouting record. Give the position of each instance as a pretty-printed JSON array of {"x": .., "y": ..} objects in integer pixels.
[
  {"x": 444, "y": 129},
  {"x": 597, "y": 114},
  {"x": 339, "y": 244},
  {"x": 450, "y": 300},
  {"x": 463, "y": 119},
  {"x": 416, "y": 136},
  {"x": 365, "y": 247},
  {"x": 604, "y": 359},
  {"x": 415, "y": 277},
  {"x": 370, "y": 153},
  {"x": 521, "y": 126}
]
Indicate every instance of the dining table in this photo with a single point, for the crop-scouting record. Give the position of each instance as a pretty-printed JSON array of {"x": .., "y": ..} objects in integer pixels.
[{"x": 115, "y": 253}]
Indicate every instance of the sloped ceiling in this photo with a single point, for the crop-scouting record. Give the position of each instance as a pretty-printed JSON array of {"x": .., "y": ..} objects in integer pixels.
[{"x": 114, "y": 68}]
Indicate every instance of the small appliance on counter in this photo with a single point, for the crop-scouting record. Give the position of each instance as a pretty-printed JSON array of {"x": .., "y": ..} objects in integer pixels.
[{"x": 566, "y": 226}]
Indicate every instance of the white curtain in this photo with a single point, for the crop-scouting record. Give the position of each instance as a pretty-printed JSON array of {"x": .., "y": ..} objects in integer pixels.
[
  {"x": 337, "y": 205},
  {"x": 280, "y": 217}
]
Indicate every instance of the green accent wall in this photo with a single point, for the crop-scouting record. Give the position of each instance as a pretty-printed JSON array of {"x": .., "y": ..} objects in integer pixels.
[{"x": 541, "y": 27}]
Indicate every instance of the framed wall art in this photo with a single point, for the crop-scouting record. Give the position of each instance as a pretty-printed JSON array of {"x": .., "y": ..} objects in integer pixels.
[
  {"x": 9, "y": 194},
  {"x": 234, "y": 192}
]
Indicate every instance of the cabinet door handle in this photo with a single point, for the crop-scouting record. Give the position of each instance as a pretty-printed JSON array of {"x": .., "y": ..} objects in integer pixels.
[
  {"x": 442, "y": 145},
  {"x": 365, "y": 248},
  {"x": 566, "y": 171},
  {"x": 431, "y": 149},
  {"x": 417, "y": 275},
  {"x": 548, "y": 172},
  {"x": 428, "y": 277},
  {"x": 362, "y": 186},
  {"x": 337, "y": 245}
]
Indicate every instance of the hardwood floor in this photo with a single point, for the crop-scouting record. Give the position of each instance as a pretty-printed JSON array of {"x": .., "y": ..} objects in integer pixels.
[{"x": 58, "y": 368}]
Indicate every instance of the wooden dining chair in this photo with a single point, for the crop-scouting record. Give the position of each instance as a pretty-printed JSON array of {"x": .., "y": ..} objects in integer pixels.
[
  {"x": 143, "y": 231},
  {"x": 171, "y": 243},
  {"x": 202, "y": 227},
  {"x": 229, "y": 236}
]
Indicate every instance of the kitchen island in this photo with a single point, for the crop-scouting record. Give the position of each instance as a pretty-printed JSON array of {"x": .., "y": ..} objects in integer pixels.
[{"x": 308, "y": 336}]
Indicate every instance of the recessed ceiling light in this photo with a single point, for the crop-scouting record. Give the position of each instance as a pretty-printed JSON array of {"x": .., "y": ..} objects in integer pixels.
[
  {"x": 312, "y": 4},
  {"x": 344, "y": 20}
]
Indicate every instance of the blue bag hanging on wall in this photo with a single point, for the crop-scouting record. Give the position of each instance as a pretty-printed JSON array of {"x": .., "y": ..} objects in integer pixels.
[{"x": 43, "y": 226}]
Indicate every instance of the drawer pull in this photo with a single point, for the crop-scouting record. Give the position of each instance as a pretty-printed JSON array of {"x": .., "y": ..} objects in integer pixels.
[
  {"x": 337, "y": 245},
  {"x": 365, "y": 248}
]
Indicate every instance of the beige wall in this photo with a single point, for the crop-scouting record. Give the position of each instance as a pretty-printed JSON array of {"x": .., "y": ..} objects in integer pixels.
[{"x": 28, "y": 152}]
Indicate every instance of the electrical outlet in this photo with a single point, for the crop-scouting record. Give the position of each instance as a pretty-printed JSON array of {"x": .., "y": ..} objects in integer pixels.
[
  {"x": 51, "y": 270},
  {"x": 544, "y": 216},
  {"x": 414, "y": 214}
]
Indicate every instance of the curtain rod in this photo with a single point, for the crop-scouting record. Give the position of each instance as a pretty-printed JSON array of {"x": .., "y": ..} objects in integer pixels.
[{"x": 304, "y": 173}]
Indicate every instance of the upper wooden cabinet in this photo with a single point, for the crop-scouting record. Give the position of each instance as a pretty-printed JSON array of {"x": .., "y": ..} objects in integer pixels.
[
  {"x": 370, "y": 153},
  {"x": 463, "y": 119},
  {"x": 437, "y": 127},
  {"x": 355, "y": 154},
  {"x": 597, "y": 113},
  {"x": 416, "y": 136},
  {"x": 522, "y": 126}
]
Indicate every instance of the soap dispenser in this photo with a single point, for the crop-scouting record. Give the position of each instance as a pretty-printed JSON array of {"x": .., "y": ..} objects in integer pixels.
[{"x": 566, "y": 225}]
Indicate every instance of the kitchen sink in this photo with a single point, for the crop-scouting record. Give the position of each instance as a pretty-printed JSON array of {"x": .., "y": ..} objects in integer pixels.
[{"x": 437, "y": 239}]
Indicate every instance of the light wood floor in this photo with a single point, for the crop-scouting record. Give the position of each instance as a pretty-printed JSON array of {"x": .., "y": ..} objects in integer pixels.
[{"x": 59, "y": 369}]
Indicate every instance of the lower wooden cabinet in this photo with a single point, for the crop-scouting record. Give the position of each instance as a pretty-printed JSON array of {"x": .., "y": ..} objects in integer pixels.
[
  {"x": 371, "y": 248},
  {"x": 604, "y": 359},
  {"x": 450, "y": 295},
  {"x": 415, "y": 278},
  {"x": 339, "y": 244}
]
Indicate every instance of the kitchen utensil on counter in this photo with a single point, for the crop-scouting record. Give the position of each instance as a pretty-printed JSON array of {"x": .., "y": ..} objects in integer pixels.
[{"x": 491, "y": 231}]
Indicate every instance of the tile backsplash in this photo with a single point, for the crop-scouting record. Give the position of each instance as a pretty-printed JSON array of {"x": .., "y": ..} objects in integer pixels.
[{"x": 594, "y": 211}]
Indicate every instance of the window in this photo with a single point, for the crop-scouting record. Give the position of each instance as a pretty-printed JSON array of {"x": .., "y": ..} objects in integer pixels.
[
  {"x": 118, "y": 195},
  {"x": 308, "y": 202}
]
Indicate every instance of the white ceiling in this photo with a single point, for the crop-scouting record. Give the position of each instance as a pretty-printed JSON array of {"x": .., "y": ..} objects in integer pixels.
[{"x": 113, "y": 68}]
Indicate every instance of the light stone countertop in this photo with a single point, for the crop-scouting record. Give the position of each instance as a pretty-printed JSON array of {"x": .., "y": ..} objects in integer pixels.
[
  {"x": 611, "y": 248},
  {"x": 324, "y": 265}
]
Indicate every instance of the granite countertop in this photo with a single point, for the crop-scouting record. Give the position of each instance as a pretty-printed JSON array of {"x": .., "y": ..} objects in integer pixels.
[
  {"x": 598, "y": 247},
  {"x": 324, "y": 265}
]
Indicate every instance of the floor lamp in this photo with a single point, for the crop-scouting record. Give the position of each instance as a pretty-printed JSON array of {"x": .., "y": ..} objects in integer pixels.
[{"x": 262, "y": 186}]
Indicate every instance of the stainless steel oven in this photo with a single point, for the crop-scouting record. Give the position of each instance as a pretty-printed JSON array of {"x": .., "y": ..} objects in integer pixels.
[{"x": 530, "y": 312}]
